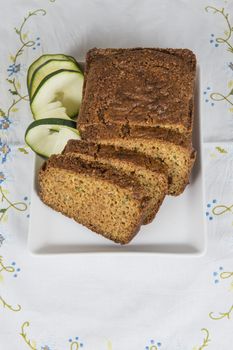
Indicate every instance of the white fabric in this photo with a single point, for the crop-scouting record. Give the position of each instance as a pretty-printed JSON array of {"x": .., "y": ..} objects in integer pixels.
[{"x": 118, "y": 302}]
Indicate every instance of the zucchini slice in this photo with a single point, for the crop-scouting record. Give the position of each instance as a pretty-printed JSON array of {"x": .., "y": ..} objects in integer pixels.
[
  {"x": 50, "y": 106},
  {"x": 54, "y": 113},
  {"x": 64, "y": 86},
  {"x": 47, "y": 68},
  {"x": 49, "y": 136},
  {"x": 42, "y": 59}
]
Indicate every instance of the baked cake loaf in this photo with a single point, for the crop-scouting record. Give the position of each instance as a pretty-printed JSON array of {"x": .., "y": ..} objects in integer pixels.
[
  {"x": 150, "y": 173},
  {"x": 141, "y": 86},
  {"x": 107, "y": 202}
]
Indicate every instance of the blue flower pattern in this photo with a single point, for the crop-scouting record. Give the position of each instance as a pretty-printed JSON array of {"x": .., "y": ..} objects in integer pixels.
[
  {"x": 206, "y": 94},
  {"x": 13, "y": 69},
  {"x": 153, "y": 345},
  {"x": 4, "y": 151},
  {"x": 5, "y": 123},
  {"x": 2, "y": 177},
  {"x": 213, "y": 40},
  {"x": 208, "y": 211},
  {"x": 216, "y": 275}
]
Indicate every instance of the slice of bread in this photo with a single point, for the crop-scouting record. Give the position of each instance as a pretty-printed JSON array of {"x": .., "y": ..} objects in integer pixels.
[
  {"x": 140, "y": 86},
  {"x": 107, "y": 202},
  {"x": 150, "y": 173},
  {"x": 171, "y": 147}
]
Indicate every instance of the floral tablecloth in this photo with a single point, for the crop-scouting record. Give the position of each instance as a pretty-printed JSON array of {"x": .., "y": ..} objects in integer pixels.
[{"x": 106, "y": 302}]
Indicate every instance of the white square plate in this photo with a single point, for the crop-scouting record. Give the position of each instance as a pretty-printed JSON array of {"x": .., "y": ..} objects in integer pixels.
[{"x": 179, "y": 227}]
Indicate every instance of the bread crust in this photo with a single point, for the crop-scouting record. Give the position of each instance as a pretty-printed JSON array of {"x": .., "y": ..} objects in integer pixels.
[
  {"x": 98, "y": 132},
  {"x": 140, "y": 86}
]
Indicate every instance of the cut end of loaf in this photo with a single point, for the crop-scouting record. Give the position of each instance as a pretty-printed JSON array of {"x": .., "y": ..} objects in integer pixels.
[
  {"x": 150, "y": 173},
  {"x": 113, "y": 207},
  {"x": 173, "y": 149},
  {"x": 179, "y": 160}
]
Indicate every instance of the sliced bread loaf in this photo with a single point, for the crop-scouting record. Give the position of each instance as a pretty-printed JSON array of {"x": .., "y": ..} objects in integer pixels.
[
  {"x": 140, "y": 86},
  {"x": 142, "y": 99},
  {"x": 172, "y": 148},
  {"x": 150, "y": 173},
  {"x": 107, "y": 202}
]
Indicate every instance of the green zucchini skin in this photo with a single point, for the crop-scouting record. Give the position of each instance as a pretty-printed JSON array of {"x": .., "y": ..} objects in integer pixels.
[{"x": 47, "y": 57}]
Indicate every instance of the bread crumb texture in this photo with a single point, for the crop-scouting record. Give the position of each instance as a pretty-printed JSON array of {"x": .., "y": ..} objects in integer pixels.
[{"x": 112, "y": 206}]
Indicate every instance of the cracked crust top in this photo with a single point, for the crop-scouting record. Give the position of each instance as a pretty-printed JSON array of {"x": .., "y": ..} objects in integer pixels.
[{"x": 143, "y": 87}]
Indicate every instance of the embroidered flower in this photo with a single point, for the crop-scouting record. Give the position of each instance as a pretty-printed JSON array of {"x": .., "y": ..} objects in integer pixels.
[
  {"x": 13, "y": 69},
  {"x": 5, "y": 123},
  {"x": 2, "y": 239},
  {"x": 2, "y": 177},
  {"x": 4, "y": 151}
]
